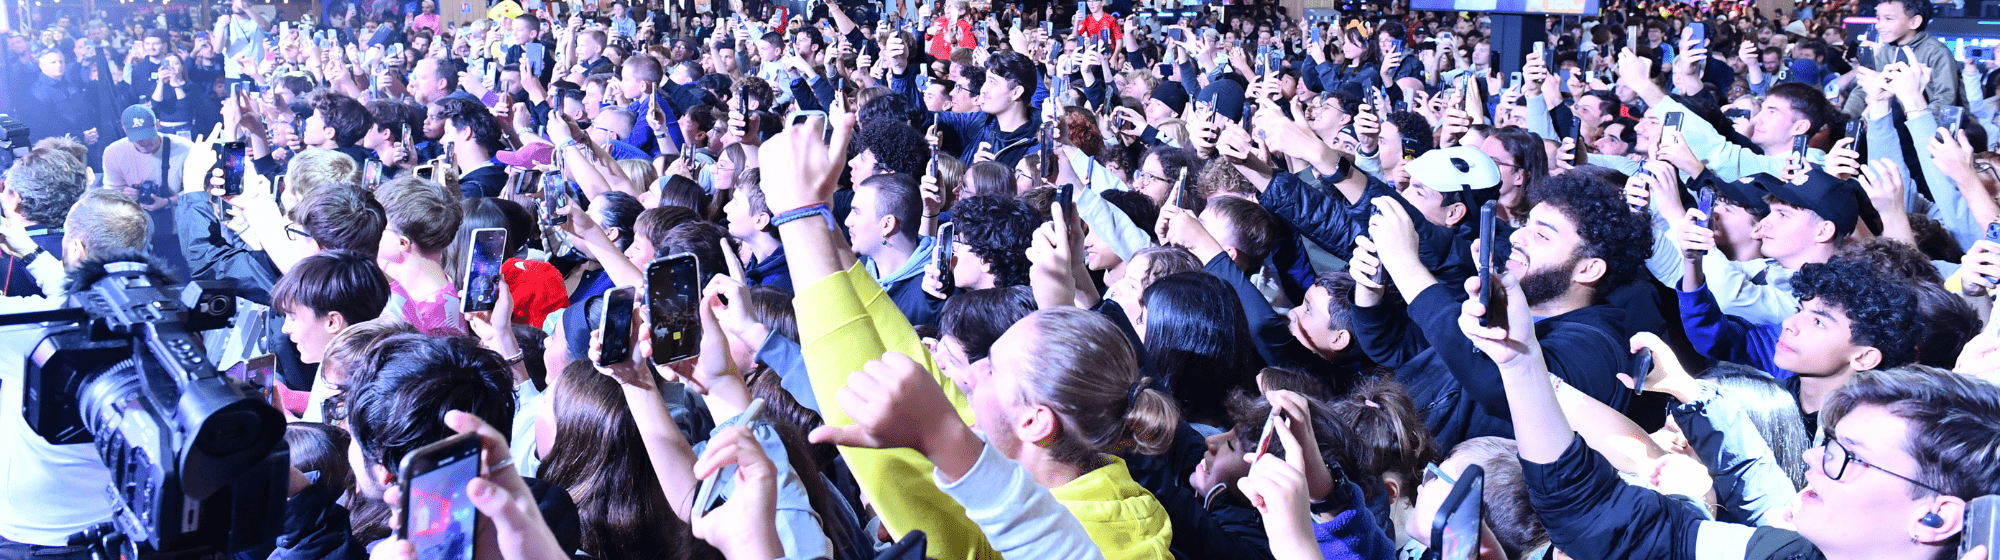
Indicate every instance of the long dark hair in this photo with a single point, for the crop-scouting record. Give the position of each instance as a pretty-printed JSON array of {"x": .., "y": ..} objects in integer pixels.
[
  {"x": 1198, "y": 339},
  {"x": 601, "y": 459}
]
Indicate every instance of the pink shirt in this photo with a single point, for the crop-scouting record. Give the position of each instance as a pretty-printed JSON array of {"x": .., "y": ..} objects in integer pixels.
[{"x": 437, "y": 316}]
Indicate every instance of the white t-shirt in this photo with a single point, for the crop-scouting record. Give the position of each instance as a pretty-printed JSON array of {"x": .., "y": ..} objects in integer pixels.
[{"x": 50, "y": 491}]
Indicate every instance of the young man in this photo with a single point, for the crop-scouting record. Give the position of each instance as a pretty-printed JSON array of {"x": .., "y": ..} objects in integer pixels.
[
  {"x": 1905, "y": 450},
  {"x": 473, "y": 136},
  {"x": 39, "y": 190},
  {"x": 1806, "y": 224},
  {"x": 338, "y": 123},
  {"x": 1003, "y": 129},
  {"x": 1853, "y": 318},
  {"x": 1579, "y": 243},
  {"x": 883, "y": 222},
  {"x": 320, "y": 297},
  {"x": 749, "y": 221}
]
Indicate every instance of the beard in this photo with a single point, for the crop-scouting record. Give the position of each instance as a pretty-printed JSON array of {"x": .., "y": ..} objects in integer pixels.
[{"x": 1545, "y": 284}]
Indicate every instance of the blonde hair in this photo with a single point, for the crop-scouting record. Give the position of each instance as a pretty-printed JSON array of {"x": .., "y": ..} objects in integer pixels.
[{"x": 1085, "y": 371}]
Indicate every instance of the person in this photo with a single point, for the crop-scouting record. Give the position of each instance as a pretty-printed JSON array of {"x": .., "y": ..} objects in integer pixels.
[
  {"x": 104, "y": 226},
  {"x": 53, "y": 88},
  {"x": 884, "y": 226},
  {"x": 40, "y": 189},
  {"x": 473, "y": 135},
  {"x": 145, "y": 165},
  {"x": 1583, "y": 242},
  {"x": 1002, "y": 127},
  {"x": 421, "y": 223},
  {"x": 1904, "y": 26},
  {"x": 319, "y": 298}
]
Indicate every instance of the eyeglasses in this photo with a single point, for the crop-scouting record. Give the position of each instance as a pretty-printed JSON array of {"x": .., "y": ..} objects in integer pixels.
[
  {"x": 294, "y": 233},
  {"x": 1836, "y": 468},
  {"x": 1142, "y": 177},
  {"x": 1432, "y": 472}
]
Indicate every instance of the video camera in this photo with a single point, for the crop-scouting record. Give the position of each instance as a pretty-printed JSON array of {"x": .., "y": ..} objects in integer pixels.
[
  {"x": 13, "y": 140},
  {"x": 199, "y": 467}
]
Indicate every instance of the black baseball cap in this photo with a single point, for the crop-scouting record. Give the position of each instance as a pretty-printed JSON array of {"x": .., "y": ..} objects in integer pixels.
[{"x": 1833, "y": 199}]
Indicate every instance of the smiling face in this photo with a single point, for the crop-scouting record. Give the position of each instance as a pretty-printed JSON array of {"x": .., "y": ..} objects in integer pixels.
[
  {"x": 1894, "y": 23},
  {"x": 1546, "y": 254},
  {"x": 1222, "y": 463}
]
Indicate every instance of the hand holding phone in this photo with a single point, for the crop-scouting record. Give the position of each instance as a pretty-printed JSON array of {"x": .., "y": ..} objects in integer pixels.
[
  {"x": 482, "y": 278},
  {"x": 1457, "y": 527},
  {"x": 615, "y": 326},
  {"x": 436, "y": 513},
  {"x": 673, "y": 290}
]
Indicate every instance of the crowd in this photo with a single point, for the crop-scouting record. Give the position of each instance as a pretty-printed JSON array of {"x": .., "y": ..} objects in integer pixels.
[{"x": 1091, "y": 281}]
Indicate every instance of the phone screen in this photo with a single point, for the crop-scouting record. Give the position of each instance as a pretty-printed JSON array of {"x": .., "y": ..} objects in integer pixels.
[
  {"x": 1799, "y": 147},
  {"x": 1704, "y": 201},
  {"x": 617, "y": 326},
  {"x": 673, "y": 288},
  {"x": 946, "y": 240},
  {"x": 437, "y": 514},
  {"x": 1455, "y": 530},
  {"x": 371, "y": 174},
  {"x": 482, "y": 269},
  {"x": 230, "y": 159},
  {"x": 257, "y": 372}
]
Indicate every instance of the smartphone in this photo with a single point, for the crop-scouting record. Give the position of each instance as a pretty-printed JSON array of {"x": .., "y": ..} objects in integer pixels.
[
  {"x": 1395, "y": 45},
  {"x": 1705, "y": 202},
  {"x": 1066, "y": 196},
  {"x": 704, "y": 494},
  {"x": 1698, "y": 31},
  {"x": 482, "y": 269},
  {"x": 616, "y": 324},
  {"x": 1316, "y": 36},
  {"x": 946, "y": 240},
  {"x": 1270, "y": 430},
  {"x": 1456, "y": 528},
  {"x": 1581, "y": 156},
  {"x": 800, "y": 117},
  {"x": 1642, "y": 365},
  {"x": 1799, "y": 147},
  {"x": 231, "y": 160},
  {"x": 1950, "y": 117},
  {"x": 256, "y": 372},
  {"x": 1177, "y": 34},
  {"x": 1492, "y": 295},
  {"x": 1856, "y": 129},
  {"x": 1514, "y": 80},
  {"x": 1540, "y": 51},
  {"x": 673, "y": 289},
  {"x": 1381, "y": 275},
  {"x": 371, "y": 174},
  {"x": 436, "y": 513},
  {"x": 1982, "y": 524},
  {"x": 1673, "y": 120},
  {"x": 1181, "y": 189}
]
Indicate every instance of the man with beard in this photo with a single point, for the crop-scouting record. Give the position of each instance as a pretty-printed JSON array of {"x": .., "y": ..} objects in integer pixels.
[{"x": 1578, "y": 243}]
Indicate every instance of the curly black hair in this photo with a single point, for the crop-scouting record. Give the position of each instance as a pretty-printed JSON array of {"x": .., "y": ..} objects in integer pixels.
[
  {"x": 897, "y": 145},
  {"x": 1610, "y": 230},
  {"x": 1881, "y": 307},
  {"x": 1415, "y": 130},
  {"x": 998, "y": 229}
]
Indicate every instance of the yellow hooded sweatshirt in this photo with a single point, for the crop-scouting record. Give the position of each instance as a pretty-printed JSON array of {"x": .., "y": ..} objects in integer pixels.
[{"x": 1125, "y": 520}]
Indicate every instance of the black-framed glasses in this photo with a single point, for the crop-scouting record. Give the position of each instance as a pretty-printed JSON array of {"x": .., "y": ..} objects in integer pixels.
[
  {"x": 294, "y": 233},
  {"x": 1836, "y": 468}
]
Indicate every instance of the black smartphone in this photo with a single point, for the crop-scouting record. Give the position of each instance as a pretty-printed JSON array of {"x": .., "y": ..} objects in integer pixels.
[
  {"x": 1799, "y": 147},
  {"x": 1176, "y": 34},
  {"x": 1580, "y": 156},
  {"x": 482, "y": 269},
  {"x": 1673, "y": 120},
  {"x": 1456, "y": 527},
  {"x": 437, "y": 514},
  {"x": 1492, "y": 295},
  {"x": 942, "y": 257},
  {"x": 673, "y": 289},
  {"x": 617, "y": 326},
  {"x": 371, "y": 174},
  {"x": 1642, "y": 365},
  {"x": 1066, "y": 196},
  {"x": 1705, "y": 202},
  {"x": 1982, "y": 524},
  {"x": 231, "y": 160},
  {"x": 1856, "y": 129}
]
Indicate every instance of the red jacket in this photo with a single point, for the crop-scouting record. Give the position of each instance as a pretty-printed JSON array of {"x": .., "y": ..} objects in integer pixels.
[
  {"x": 1094, "y": 24},
  {"x": 943, "y": 42}
]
